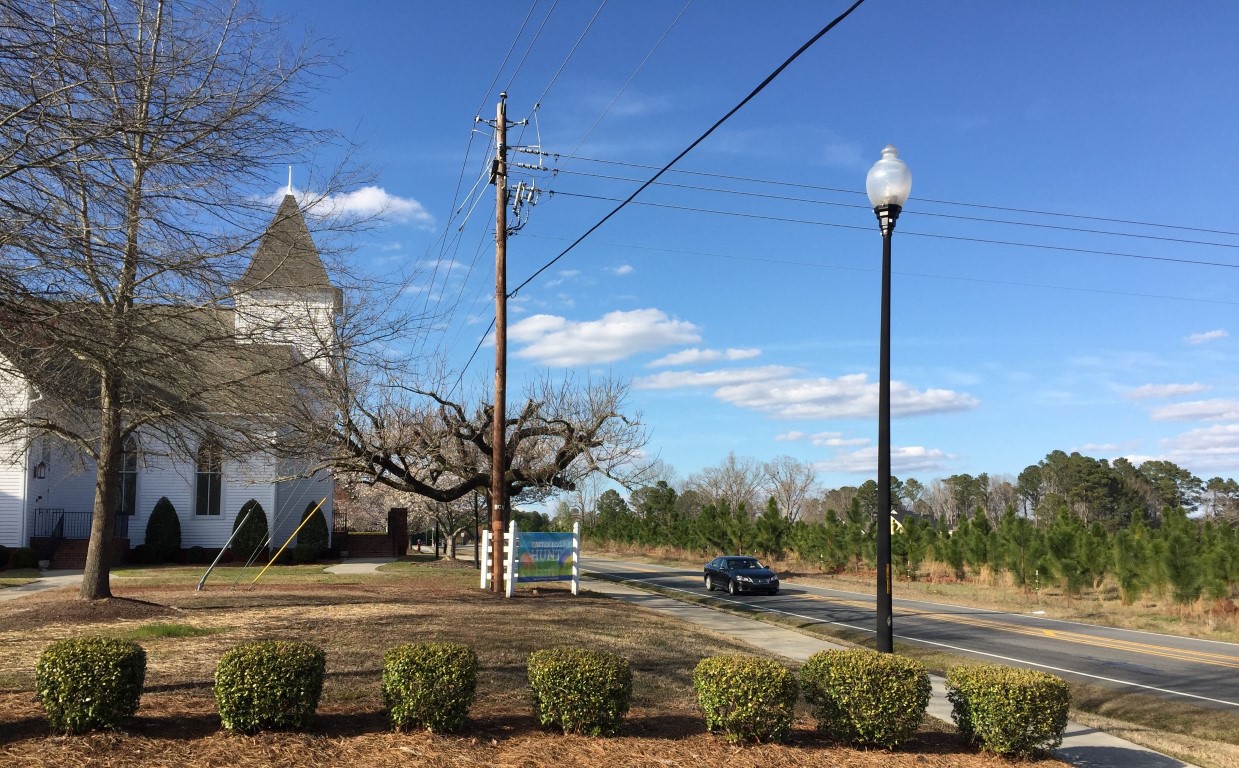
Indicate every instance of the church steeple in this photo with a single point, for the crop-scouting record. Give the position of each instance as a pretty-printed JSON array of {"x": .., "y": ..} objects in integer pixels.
[
  {"x": 285, "y": 295},
  {"x": 286, "y": 258}
]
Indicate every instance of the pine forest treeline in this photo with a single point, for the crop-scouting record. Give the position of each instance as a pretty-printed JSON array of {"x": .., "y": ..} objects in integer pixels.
[{"x": 1070, "y": 521}]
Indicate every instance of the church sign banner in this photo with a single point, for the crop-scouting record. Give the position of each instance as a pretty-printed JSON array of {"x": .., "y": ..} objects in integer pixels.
[{"x": 544, "y": 556}]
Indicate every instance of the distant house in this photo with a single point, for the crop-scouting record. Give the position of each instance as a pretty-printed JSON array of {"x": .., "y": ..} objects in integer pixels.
[{"x": 284, "y": 304}]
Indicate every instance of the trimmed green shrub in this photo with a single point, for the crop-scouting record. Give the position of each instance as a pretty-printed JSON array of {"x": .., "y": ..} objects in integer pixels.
[
  {"x": 4, "y": 557},
  {"x": 163, "y": 532},
  {"x": 579, "y": 690},
  {"x": 23, "y": 557},
  {"x": 195, "y": 555},
  {"x": 747, "y": 697},
  {"x": 864, "y": 697},
  {"x": 1006, "y": 710},
  {"x": 90, "y": 683},
  {"x": 429, "y": 685},
  {"x": 254, "y": 534},
  {"x": 269, "y": 685},
  {"x": 313, "y": 536}
]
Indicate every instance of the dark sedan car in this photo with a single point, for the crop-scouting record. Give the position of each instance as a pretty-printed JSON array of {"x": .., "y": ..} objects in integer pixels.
[{"x": 740, "y": 573}]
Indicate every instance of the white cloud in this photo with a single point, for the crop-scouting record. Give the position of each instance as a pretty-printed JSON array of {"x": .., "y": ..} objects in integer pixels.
[
  {"x": 368, "y": 202},
  {"x": 1201, "y": 338},
  {"x": 720, "y": 378},
  {"x": 554, "y": 340},
  {"x": 904, "y": 460},
  {"x": 623, "y": 269},
  {"x": 1149, "y": 391},
  {"x": 1213, "y": 448},
  {"x": 824, "y": 439},
  {"x": 850, "y": 396},
  {"x": 695, "y": 355},
  {"x": 1217, "y": 409}
]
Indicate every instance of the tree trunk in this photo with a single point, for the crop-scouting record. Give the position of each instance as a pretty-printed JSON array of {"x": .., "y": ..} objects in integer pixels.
[{"x": 96, "y": 584}]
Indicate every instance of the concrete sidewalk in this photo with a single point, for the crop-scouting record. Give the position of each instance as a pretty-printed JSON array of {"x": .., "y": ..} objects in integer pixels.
[
  {"x": 1084, "y": 747},
  {"x": 47, "y": 580}
]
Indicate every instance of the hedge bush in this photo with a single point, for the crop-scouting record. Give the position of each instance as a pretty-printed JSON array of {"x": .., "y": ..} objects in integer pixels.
[
  {"x": 747, "y": 697},
  {"x": 195, "y": 555},
  {"x": 4, "y": 557},
  {"x": 579, "y": 690},
  {"x": 864, "y": 697},
  {"x": 269, "y": 685},
  {"x": 23, "y": 557},
  {"x": 314, "y": 537},
  {"x": 254, "y": 534},
  {"x": 163, "y": 532},
  {"x": 429, "y": 685},
  {"x": 1006, "y": 710},
  {"x": 90, "y": 683}
]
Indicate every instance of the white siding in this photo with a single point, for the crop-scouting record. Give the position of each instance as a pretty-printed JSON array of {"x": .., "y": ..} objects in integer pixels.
[{"x": 13, "y": 400}]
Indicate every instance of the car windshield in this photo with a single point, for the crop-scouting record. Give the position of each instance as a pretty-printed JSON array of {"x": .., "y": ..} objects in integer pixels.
[{"x": 743, "y": 563}]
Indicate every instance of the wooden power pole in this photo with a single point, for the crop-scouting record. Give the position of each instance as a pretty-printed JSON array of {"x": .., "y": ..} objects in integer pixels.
[{"x": 498, "y": 460}]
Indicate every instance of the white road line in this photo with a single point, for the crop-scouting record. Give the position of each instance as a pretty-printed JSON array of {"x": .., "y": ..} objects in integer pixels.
[{"x": 909, "y": 638}]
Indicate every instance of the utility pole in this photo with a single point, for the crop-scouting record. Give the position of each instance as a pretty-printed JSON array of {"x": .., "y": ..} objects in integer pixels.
[{"x": 498, "y": 488}]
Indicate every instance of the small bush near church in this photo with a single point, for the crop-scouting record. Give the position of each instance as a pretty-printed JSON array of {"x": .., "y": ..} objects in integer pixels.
[
  {"x": 4, "y": 557},
  {"x": 90, "y": 683},
  {"x": 269, "y": 685},
  {"x": 429, "y": 685},
  {"x": 747, "y": 697},
  {"x": 253, "y": 534},
  {"x": 313, "y": 538},
  {"x": 163, "y": 532},
  {"x": 864, "y": 697},
  {"x": 1006, "y": 710},
  {"x": 579, "y": 690},
  {"x": 22, "y": 558}
]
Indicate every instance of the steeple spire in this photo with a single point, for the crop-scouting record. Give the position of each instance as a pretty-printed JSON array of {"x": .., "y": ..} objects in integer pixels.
[{"x": 290, "y": 181}]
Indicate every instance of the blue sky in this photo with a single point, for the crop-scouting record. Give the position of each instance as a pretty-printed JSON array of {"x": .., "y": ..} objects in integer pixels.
[{"x": 743, "y": 304}]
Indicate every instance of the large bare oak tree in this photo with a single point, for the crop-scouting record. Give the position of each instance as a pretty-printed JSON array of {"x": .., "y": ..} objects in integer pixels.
[{"x": 139, "y": 138}]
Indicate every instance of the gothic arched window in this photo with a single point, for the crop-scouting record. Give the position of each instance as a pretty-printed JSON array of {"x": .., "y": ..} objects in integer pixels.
[
  {"x": 209, "y": 479},
  {"x": 129, "y": 477}
]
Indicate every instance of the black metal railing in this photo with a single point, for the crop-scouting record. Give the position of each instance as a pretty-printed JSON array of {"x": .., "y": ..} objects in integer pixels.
[{"x": 61, "y": 524}]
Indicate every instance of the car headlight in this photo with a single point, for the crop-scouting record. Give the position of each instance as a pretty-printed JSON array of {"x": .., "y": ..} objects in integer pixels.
[
  {"x": 774, "y": 578},
  {"x": 744, "y": 578}
]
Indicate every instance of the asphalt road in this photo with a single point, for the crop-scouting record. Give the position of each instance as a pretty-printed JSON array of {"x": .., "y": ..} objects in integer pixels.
[{"x": 1198, "y": 671}]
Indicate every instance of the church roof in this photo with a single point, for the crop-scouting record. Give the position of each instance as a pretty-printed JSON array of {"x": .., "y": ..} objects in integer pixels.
[{"x": 286, "y": 256}]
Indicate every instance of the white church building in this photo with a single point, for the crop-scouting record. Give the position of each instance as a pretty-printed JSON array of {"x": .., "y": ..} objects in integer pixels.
[{"x": 47, "y": 492}]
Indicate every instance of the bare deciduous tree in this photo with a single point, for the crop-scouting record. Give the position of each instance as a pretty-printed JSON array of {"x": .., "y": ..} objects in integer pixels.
[
  {"x": 790, "y": 483},
  {"x": 139, "y": 140},
  {"x": 419, "y": 441},
  {"x": 737, "y": 480}
]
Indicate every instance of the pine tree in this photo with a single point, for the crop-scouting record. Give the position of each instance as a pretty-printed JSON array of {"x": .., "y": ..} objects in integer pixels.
[{"x": 1182, "y": 556}]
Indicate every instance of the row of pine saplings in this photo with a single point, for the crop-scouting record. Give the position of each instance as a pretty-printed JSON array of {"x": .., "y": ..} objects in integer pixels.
[{"x": 858, "y": 697}]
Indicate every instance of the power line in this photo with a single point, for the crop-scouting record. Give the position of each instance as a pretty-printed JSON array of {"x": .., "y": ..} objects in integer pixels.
[
  {"x": 840, "y": 268},
  {"x": 960, "y": 238},
  {"x": 632, "y": 76},
  {"x": 957, "y": 217},
  {"x": 761, "y": 86},
  {"x": 567, "y": 58},
  {"x": 1008, "y": 209}
]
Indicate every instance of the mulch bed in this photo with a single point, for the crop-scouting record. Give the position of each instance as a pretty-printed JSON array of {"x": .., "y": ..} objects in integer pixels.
[{"x": 177, "y": 725}]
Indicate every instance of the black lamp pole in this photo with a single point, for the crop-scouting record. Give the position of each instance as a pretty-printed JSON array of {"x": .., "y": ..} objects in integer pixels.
[
  {"x": 888, "y": 185},
  {"x": 887, "y": 214}
]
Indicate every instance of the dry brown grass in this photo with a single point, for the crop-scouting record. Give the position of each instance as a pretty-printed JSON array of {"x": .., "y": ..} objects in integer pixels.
[{"x": 355, "y": 621}]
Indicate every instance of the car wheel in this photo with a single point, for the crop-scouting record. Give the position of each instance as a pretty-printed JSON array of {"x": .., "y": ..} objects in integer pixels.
[
  {"x": 709, "y": 583},
  {"x": 732, "y": 589},
  {"x": 774, "y": 591}
]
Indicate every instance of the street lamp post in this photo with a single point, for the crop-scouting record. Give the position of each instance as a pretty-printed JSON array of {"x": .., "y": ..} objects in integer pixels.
[{"x": 888, "y": 184}]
